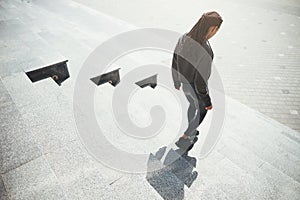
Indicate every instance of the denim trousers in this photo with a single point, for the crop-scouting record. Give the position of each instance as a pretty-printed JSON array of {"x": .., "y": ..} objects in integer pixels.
[{"x": 196, "y": 111}]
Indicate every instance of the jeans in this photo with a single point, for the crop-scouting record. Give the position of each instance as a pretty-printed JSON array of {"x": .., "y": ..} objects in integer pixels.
[{"x": 196, "y": 110}]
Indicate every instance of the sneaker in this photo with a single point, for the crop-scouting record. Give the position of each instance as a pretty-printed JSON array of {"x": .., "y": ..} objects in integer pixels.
[
  {"x": 195, "y": 139},
  {"x": 186, "y": 144}
]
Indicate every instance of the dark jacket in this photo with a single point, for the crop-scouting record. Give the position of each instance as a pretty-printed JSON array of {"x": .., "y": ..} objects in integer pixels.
[{"x": 192, "y": 64}]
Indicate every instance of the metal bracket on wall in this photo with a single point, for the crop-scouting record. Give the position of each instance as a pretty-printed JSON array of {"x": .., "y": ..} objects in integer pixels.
[
  {"x": 58, "y": 72},
  {"x": 112, "y": 77},
  {"x": 150, "y": 81}
]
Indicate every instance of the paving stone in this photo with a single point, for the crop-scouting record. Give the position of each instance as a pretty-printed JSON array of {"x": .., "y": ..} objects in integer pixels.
[
  {"x": 249, "y": 186},
  {"x": 3, "y": 192},
  {"x": 17, "y": 147},
  {"x": 2, "y": 16},
  {"x": 282, "y": 160},
  {"x": 273, "y": 153},
  {"x": 256, "y": 158},
  {"x": 12, "y": 27},
  {"x": 10, "y": 114},
  {"x": 294, "y": 112},
  {"x": 59, "y": 130},
  {"x": 135, "y": 186},
  {"x": 42, "y": 50},
  {"x": 228, "y": 185},
  {"x": 71, "y": 162},
  {"x": 16, "y": 90},
  {"x": 247, "y": 160},
  {"x": 286, "y": 188},
  {"x": 205, "y": 184},
  {"x": 19, "y": 65},
  {"x": 65, "y": 44},
  {"x": 268, "y": 147},
  {"x": 89, "y": 188},
  {"x": 80, "y": 175},
  {"x": 206, "y": 189},
  {"x": 217, "y": 170},
  {"x": 94, "y": 185},
  {"x": 37, "y": 108},
  {"x": 33, "y": 180}
]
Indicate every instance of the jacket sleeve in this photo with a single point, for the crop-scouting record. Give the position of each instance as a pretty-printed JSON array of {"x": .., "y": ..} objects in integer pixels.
[
  {"x": 175, "y": 72},
  {"x": 201, "y": 79}
]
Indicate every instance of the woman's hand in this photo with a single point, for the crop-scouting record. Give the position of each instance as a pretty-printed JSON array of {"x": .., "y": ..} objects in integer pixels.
[
  {"x": 209, "y": 107},
  {"x": 177, "y": 87}
]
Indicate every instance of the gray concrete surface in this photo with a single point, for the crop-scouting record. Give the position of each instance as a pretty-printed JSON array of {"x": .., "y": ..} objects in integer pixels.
[
  {"x": 256, "y": 49},
  {"x": 42, "y": 157}
]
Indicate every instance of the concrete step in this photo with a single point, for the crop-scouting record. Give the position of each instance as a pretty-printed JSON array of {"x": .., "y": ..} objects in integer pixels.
[
  {"x": 274, "y": 182},
  {"x": 264, "y": 137},
  {"x": 256, "y": 159}
]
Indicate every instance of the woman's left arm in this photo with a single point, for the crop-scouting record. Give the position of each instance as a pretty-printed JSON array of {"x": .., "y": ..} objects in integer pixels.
[{"x": 175, "y": 72}]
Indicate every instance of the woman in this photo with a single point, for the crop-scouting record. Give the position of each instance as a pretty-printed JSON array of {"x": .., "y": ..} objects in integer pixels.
[{"x": 191, "y": 68}]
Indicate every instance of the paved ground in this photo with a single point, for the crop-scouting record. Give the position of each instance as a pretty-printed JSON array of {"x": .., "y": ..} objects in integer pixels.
[
  {"x": 256, "y": 50},
  {"x": 41, "y": 154}
]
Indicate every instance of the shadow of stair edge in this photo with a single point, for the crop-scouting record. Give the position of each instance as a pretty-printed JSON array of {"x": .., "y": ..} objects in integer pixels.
[
  {"x": 253, "y": 188},
  {"x": 270, "y": 151},
  {"x": 282, "y": 135},
  {"x": 286, "y": 131},
  {"x": 247, "y": 160},
  {"x": 231, "y": 183},
  {"x": 292, "y": 136}
]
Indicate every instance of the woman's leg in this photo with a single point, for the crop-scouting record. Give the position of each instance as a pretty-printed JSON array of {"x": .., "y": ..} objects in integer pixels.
[
  {"x": 192, "y": 108},
  {"x": 195, "y": 113},
  {"x": 202, "y": 112}
]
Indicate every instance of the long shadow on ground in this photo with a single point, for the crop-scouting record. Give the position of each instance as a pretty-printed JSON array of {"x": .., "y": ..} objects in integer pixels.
[{"x": 168, "y": 177}]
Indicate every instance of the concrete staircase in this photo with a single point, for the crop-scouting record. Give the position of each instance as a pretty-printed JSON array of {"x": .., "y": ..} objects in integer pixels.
[{"x": 41, "y": 154}]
